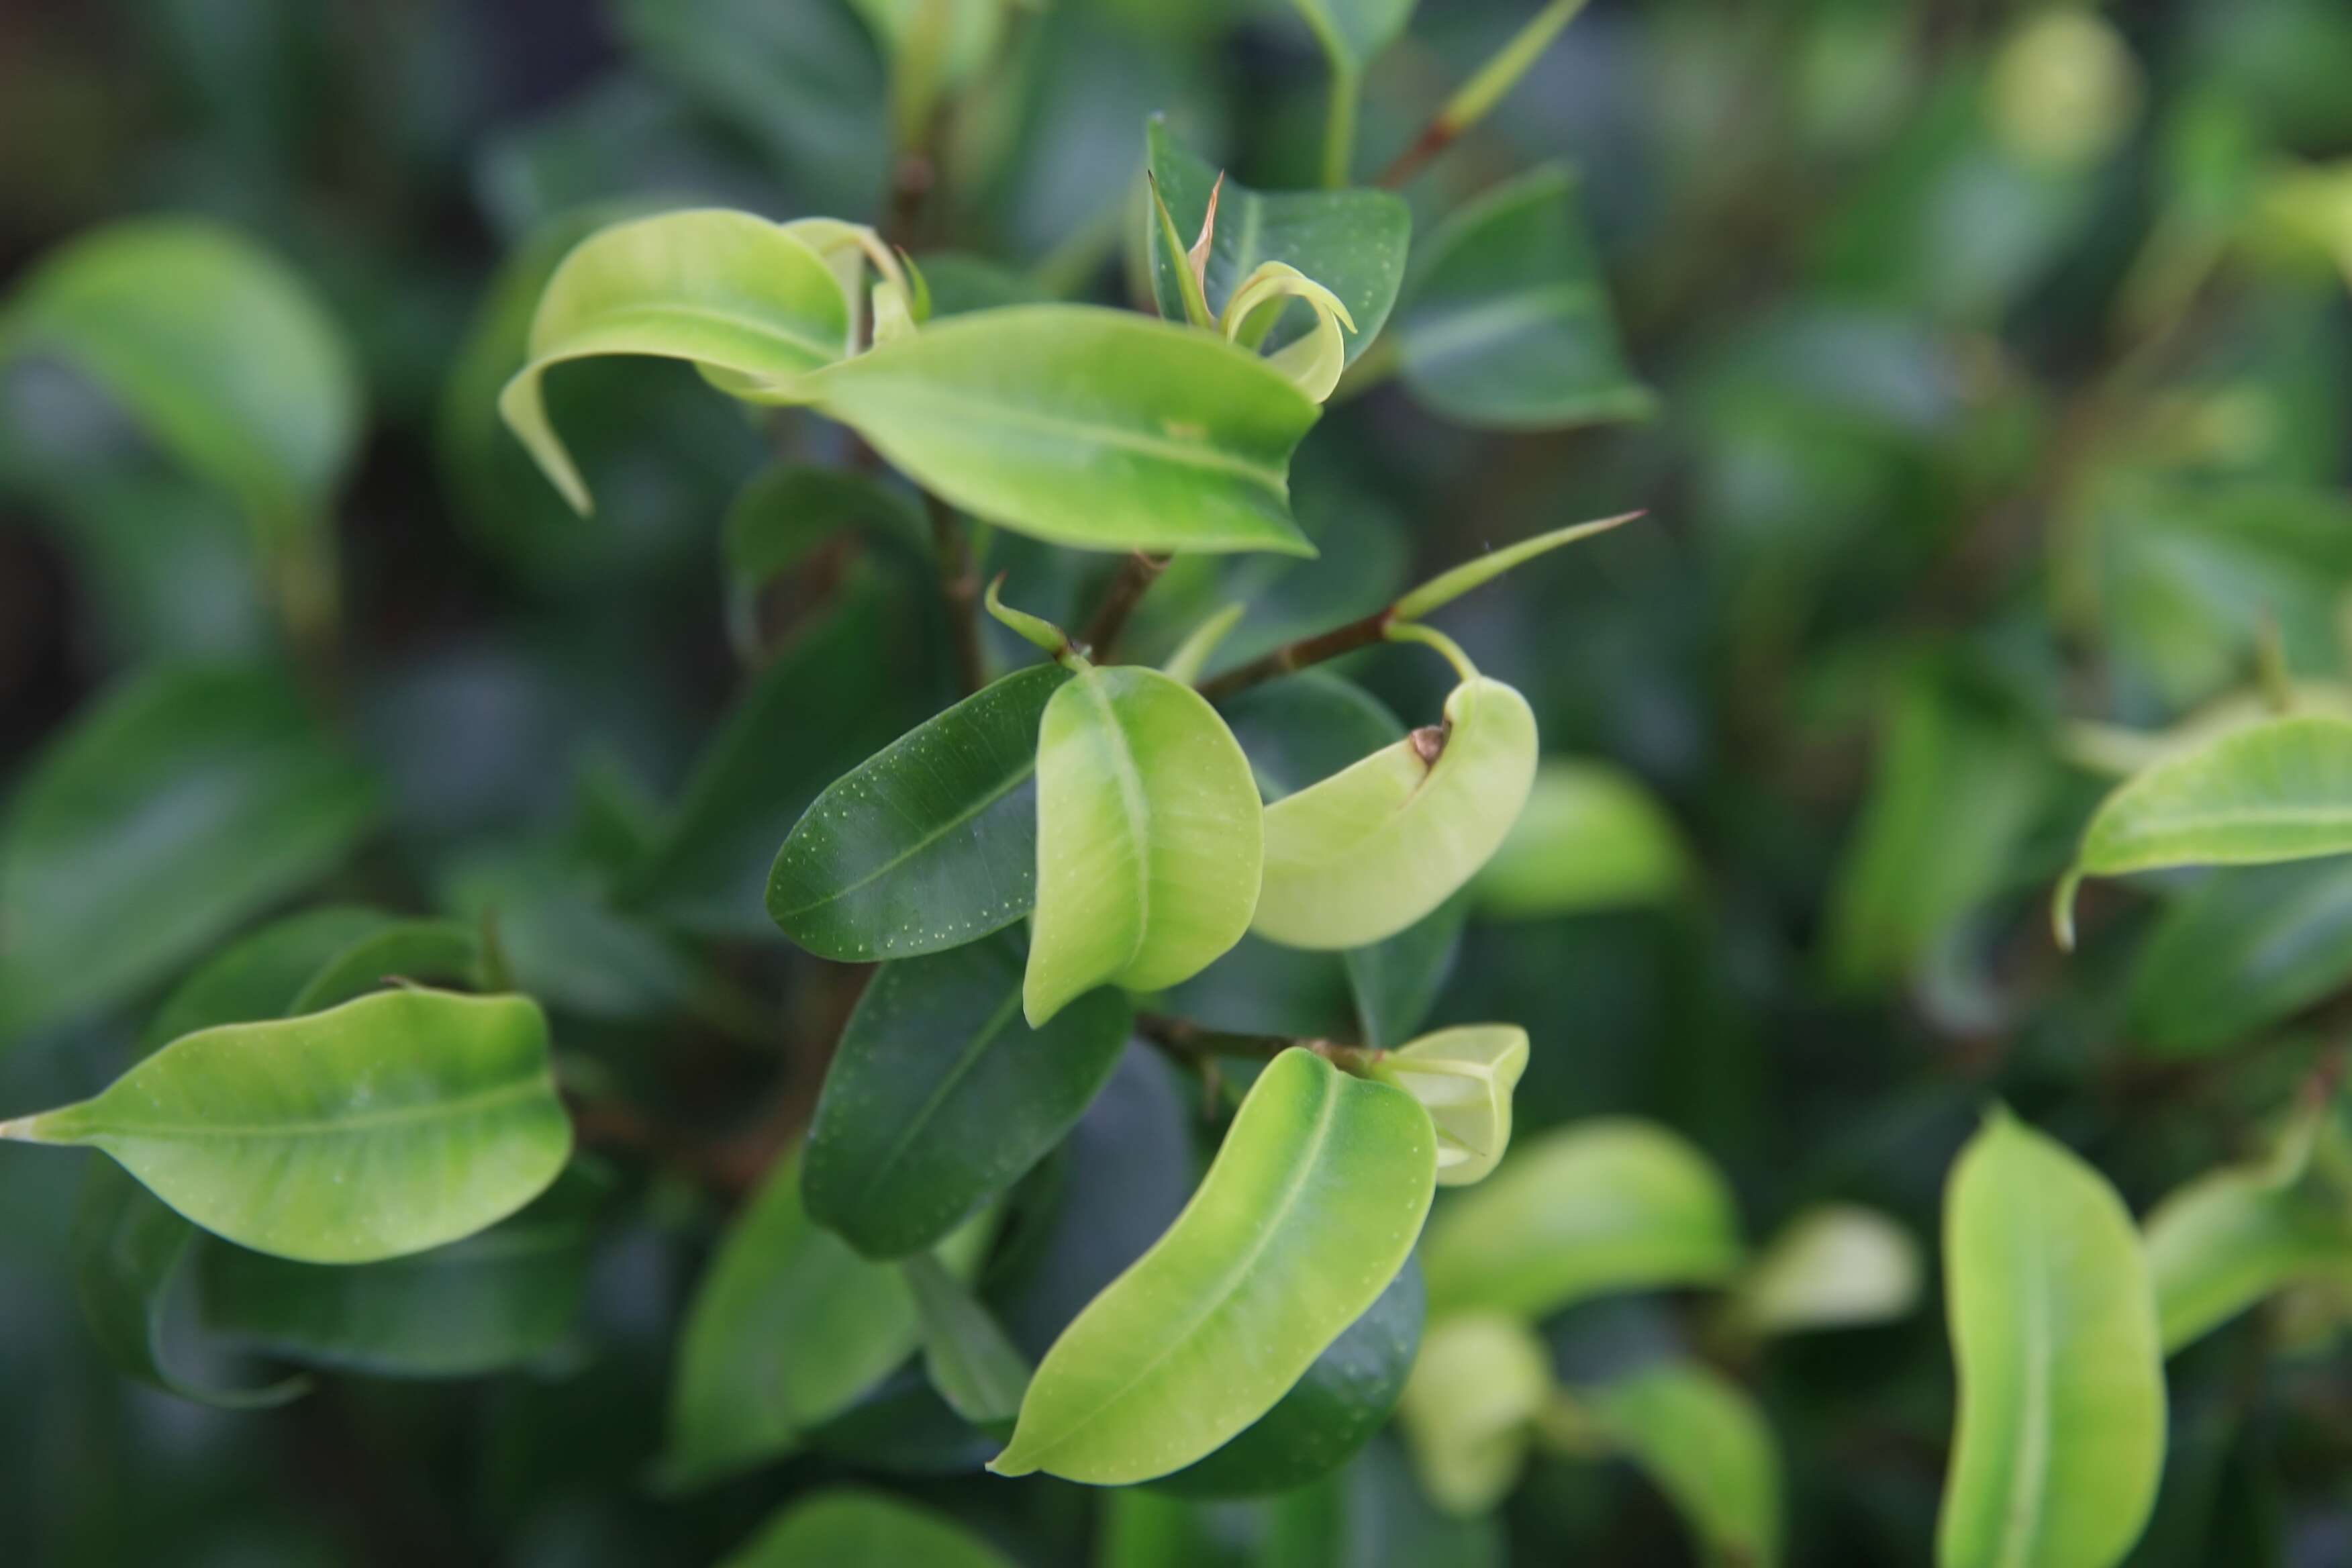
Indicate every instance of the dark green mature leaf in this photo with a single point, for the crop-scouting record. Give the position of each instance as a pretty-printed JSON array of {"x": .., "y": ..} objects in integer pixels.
[
  {"x": 1351, "y": 242},
  {"x": 2245, "y": 949},
  {"x": 2059, "y": 1439},
  {"x": 436, "y": 951},
  {"x": 500, "y": 1298},
  {"x": 1396, "y": 982},
  {"x": 1701, "y": 1438},
  {"x": 1322, "y": 1177},
  {"x": 216, "y": 348},
  {"x": 386, "y": 1126},
  {"x": 259, "y": 975},
  {"x": 1299, "y": 730},
  {"x": 786, "y": 511},
  {"x": 940, "y": 1095},
  {"x": 844, "y": 1526},
  {"x": 1505, "y": 321},
  {"x": 188, "y": 798},
  {"x": 1330, "y": 1414},
  {"x": 930, "y": 843}
]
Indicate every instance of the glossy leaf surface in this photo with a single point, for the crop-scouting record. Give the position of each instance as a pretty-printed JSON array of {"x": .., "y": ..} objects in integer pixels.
[
  {"x": 1148, "y": 839},
  {"x": 1505, "y": 321},
  {"x": 1606, "y": 1206},
  {"x": 388, "y": 1125},
  {"x": 940, "y": 1095},
  {"x": 1310, "y": 1208},
  {"x": 2060, "y": 1437},
  {"x": 1591, "y": 837},
  {"x": 1090, "y": 427},
  {"x": 1702, "y": 1441},
  {"x": 1367, "y": 852},
  {"x": 1464, "y": 1077},
  {"x": 846, "y": 1526},
  {"x": 931, "y": 843}
]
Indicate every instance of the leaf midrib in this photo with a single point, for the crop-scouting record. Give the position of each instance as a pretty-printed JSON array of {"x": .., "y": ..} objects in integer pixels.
[
  {"x": 463, "y": 1105},
  {"x": 1136, "y": 806},
  {"x": 2030, "y": 1479},
  {"x": 1011, "y": 783},
  {"x": 966, "y": 1060},
  {"x": 657, "y": 311}
]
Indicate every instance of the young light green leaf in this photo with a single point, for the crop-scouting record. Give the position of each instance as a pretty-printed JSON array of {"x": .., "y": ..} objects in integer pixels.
[
  {"x": 2279, "y": 791},
  {"x": 1606, "y": 1206},
  {"x": 1592, "y": 837},
  {"x": 388, "y": 1125},
  {"x": 929, "y": 844},
  {"x": 216, "y": 348},
  {"x": 1506, "y": 322},
  {"x": 969, "y": 1361},
  {"x": 1330, "y": 1414},
  {"x": 184, "y": 801},
  {"x": 1702, "y": 1439},
  {"x": 1149, "y": 835},
  {"x": 1367, "y": 852},
  {"x": 1464, "y": 1077},
  {"x": 1095, "y": 428},
  {"x": 1354, "y": 243},
  {"x": 1835, "y": 1266},
  {"x": 1469, "y": 1411},
  {"x": 2059, "y": 1439},
  {"x": 1309, "y": 1209},
  {"x": 845, "y": 1526},
  {"x": 746, "y": 300},
  {"x": 2245, "y": 949},
  {"x": 941, "y": 1096},
  {"x": 1312, "y": 362}
]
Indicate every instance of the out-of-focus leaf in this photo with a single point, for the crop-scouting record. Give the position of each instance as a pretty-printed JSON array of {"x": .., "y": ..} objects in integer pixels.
[
  {"x": 1351, "y": 242},
  {"x": 965, "y": 1354},
  {"x": 1352, "y": 31},
  {"x": 1330, "y": 1414},
  {"x": 1464, "y": 1077},
  {"x": 2279, "y": 791},
  {"x": 1832, "y": 1266},
  {"x": 1591, "y": 837},
  {"x": 1321, "y": 1176},
  {"x": 1469, "y": 1411},
  {"x": 1610, "y": 1205},
  {"x": 930, "y": 843},
  {"x": 1299, "y": 732},
  {"x": 259, "y": 975},
  {"x": 1702, "y": 1439},
  {"x": 786, "y": 511},
  {"x": 498, "y": 1298},
  {"x": 386, "y": 1126},
  {"x": 1098, "y": 429},
  {"x": 410, "y": 950},
  {"x": 2243, "y": 950},
  {"x": 1396, "y": 982},
  {"x": 1148, "y": 833},
  {"x": 970, "y": 34},
  {"x": 1506, "y": 320},
  {"x": 2060, "y": 1438},
  {"x": 216, "y": 348},
  {"x": 941, "y": 1096},
  {"x": 186, "y": 800},
  {"x": 1362, "y": 855},
  {"x": 847, "y": 1525}
]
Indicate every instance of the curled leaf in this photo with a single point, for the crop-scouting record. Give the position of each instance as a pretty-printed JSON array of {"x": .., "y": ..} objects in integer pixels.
[
  {"x": 1314, "y": 360},
  {"x": 1464, "y": 1077}
]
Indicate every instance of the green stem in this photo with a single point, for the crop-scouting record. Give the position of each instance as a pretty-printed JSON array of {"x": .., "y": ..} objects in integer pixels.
[
  {"x": 1411, "y": 631},
  {"x": 1478, "y": 96},
  {"x": 1340, "y": 125}
]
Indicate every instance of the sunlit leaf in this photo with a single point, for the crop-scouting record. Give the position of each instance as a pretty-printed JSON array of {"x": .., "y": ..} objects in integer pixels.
[
  {"x": 1591, "y": 837},
  {"x": 2059, "y": 1439},
  {"x": 388, "y": 1125},
  {"x": 1702, "y": 1441},
  {"x": 848, "y": 1526},
  {"x": 1470, "y": 1408},
  {"x": 1148, "y": 833},
  {"x": 1602, "y": 1206},
  {"x": 1367, "y": 852},
  {"x": 1322, "y": 1178},
  {"x": 2245, "y": 949},
  {"x": 1835, "y": 1266}
]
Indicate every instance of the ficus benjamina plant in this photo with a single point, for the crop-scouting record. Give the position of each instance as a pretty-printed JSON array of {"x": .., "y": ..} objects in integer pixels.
[{"x": 1018, "y": 1040}]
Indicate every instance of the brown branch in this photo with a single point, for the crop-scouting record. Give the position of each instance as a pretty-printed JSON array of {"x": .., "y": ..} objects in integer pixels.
[
  {"x": 959, "y": 586},
  {"x": 1295, "y": 656},
  {"x": 1435, "y": 138},
  {"x": 1197, "y": 1047},
  {"x": 1136, "y": 575}
]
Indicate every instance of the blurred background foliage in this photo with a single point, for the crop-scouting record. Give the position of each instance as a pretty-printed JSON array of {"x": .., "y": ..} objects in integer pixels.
[{"x": 2001, "y": 359}]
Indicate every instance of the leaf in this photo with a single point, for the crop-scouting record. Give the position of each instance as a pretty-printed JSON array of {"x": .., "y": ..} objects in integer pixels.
[
  {"x": 2245, "y": 949},
  {"x": 845, "y": 1525},
  {"x": 1301, "y": 731},
  {"x": 1464, "y": 1077},
  {"x": 929, "y": 844},
  {"x": 1148, "y": 833},
  {"x": 1470, "y": 1409},
  {"x": 259, "y": 975},
  {"x": 2059, "y": 1439},
  {"x": 746, "y": 300},
  {"x": 183, "y": 801},
  {"x": 785, "y": 512},
  {"x": 1313, "y": 361},
  {"x": 1351, "y": 242},
  {"x": 391, "y": 1124},
  {"x": 410, "y": 950},
  {"x": 2280, "y": 791},
  {"x": 1330, "y": 1414},
  {"x": 129, "y": 1252},
  {"x": 1352, "y": 31},
  {"x": 969, "y": 1360},
  {"x": 1610, "y": 1204},
  {"x": 1591, "y": 837},
  {"x": 939, "y": 1096},
  {"x": 1396, "y": 982},
  {"x": 502, "y": 1298},
  {"x": 1322, "y": 1178},
  {"x": 1094, "y": 428},
  {"x": 1365, "y": 853},
  {"x": 1505, "y": 321},
  {"x": 787, "y": 1331},
  {"x": 1702, "y": 1439},
  {"x": 1835, "y": 1266},
  {"x": 215, "y": 347}
]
